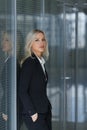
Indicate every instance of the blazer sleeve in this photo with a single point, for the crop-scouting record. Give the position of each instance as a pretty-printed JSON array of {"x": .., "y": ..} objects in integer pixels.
[{"x": 25, "y": 78}]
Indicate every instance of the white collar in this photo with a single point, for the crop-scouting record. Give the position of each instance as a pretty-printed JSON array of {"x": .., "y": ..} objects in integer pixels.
[{"x": 41, "y": 60}]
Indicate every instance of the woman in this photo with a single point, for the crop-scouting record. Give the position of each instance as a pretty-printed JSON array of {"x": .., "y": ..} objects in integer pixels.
[{"x": 33, "y": 82}]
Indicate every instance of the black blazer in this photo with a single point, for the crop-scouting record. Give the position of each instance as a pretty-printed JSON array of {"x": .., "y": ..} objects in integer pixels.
[
  {"x": 32, "y": 89},
  {"x": 6, "y": 80}
]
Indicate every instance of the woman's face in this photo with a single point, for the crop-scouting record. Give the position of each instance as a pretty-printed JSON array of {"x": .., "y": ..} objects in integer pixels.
[
  {"x": 6, "y": 46},
  {"x": 39, "y": 44}
]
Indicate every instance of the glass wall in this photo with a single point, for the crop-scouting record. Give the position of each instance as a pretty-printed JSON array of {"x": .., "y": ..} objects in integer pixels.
[
  {"x": 65, "y": 24},
  {"x": 7, "y": 65},
  {"x": 75, "y": 67}
]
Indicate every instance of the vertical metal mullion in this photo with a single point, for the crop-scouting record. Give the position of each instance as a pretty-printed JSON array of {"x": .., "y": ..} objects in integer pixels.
[
  {"x": 76, "y": 71},
  {"x": 64, "y": 52},
  {"x": 42, "y": 14},
  {"x": 13, "y": 68}
]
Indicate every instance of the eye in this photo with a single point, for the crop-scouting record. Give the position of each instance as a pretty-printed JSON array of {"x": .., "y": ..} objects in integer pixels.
[
  {"x": 43, "y": 39},
  {"x": 36, "y": 40}
]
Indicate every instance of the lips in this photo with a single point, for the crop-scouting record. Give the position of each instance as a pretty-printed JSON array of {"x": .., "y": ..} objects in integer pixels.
[{"x": 41, "y": 47}]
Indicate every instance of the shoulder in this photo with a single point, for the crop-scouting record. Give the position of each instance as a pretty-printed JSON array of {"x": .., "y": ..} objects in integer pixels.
[{"x": 30, "y": 61}]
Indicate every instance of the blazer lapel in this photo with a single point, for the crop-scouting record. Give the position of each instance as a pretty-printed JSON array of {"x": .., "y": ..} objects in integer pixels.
[{"x": 40, "y": 69}]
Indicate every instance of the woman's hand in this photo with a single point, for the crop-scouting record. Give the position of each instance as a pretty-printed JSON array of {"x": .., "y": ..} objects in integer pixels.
[
  {"x": 4, "y": 116},
  {"x": 34, "y": 117}
]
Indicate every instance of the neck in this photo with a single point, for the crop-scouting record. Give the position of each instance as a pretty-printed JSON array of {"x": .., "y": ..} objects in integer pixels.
[{"x": 38, "y": 54}]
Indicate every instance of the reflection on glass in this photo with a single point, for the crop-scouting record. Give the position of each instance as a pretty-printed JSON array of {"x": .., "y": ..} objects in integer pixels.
[
  {"x": 71, "y": 104},
  {"x": 6, "y": 79}
]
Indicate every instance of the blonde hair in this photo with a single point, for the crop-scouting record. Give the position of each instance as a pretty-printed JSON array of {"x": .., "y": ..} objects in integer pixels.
[{"x": 30, "y": 37}]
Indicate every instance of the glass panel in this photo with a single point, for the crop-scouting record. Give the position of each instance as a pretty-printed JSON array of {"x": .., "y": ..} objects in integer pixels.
[
  {"x": 82, "y": 72},
  {"x": 7, "y": 66},
  {"x": 70, "y": 68},
  {"x": 55, "y": 66},
  {"x": 75, "y": 68}
]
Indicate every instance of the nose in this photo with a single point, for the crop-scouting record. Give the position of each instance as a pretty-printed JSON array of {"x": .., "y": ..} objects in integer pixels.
[{"x": 41, "y": 42}]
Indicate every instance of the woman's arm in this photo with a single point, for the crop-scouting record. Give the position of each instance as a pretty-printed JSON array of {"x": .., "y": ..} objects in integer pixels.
[{"x": 25, "y": 78}]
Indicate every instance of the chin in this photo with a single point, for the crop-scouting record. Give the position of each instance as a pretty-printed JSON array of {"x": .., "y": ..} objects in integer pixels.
[{"x": 42, "y": 50}]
